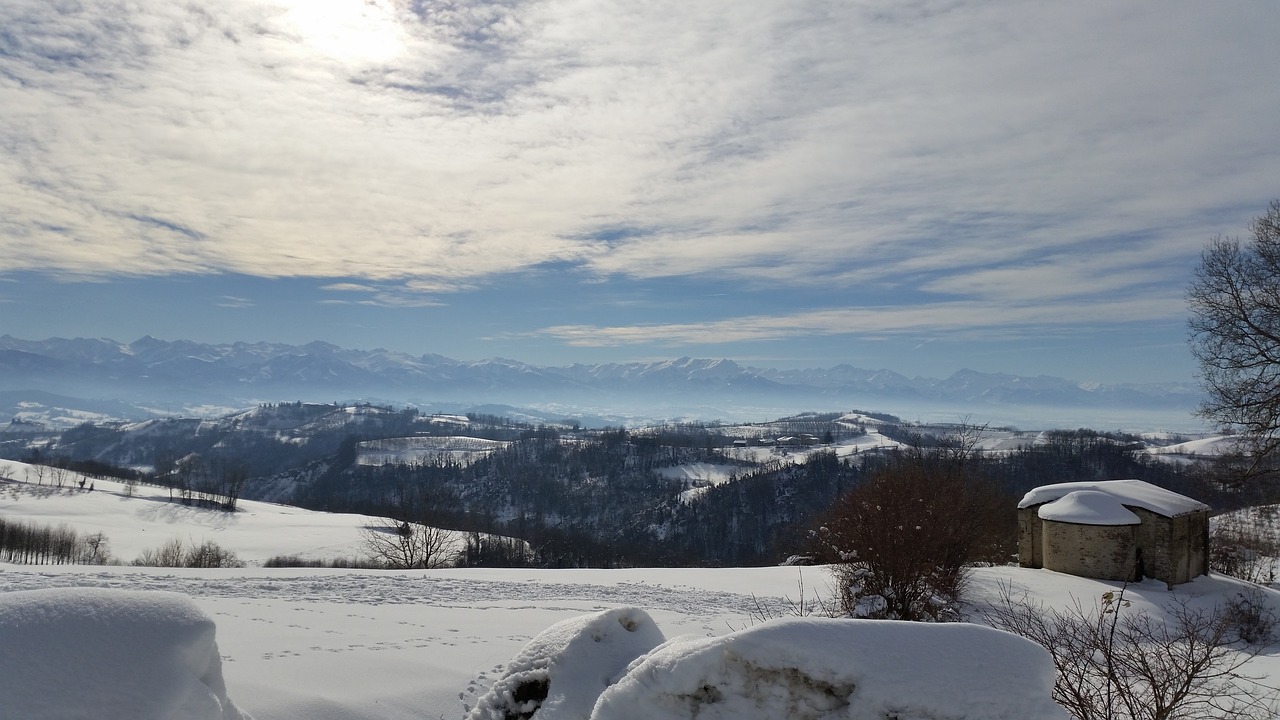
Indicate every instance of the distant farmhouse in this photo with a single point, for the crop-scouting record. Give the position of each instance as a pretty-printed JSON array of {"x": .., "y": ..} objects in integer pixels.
[{"x": 1114, "y": 530}]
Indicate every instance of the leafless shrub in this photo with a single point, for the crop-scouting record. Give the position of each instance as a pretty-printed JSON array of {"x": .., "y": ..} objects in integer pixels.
[
  {"x": 174, "y": 553},
  {"x": 1245, "y": 544},
  {"x": 899, "y": 544},
  {"x": 287, "y": 561},
  {"x": 1250, "y": 617},
  {"x": 805, "y": 605},
  {"x": 1117, "y": 663},
  {"x": 209, "y": 554}
]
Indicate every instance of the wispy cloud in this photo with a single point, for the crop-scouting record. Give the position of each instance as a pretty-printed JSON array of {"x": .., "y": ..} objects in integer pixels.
[
  {"x": 231, "y": 301},
  {"x": 414, "y": 293},
  {"x": 1025, "y": 154},
  {"x": 961, "y": 319}
]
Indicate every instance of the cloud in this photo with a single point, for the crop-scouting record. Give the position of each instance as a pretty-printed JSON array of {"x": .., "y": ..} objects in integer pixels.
[
  {"x": 957, "y": 320},
  {"x": 348, "y": 287},
  {"x": 416, "y": 293},
  {"x": 972, "y": 152},
  {"x": 231, "y": 301}
]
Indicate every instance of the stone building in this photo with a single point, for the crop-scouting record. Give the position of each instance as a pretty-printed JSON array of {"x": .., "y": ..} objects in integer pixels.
[{"x": 1114, "y": 530}]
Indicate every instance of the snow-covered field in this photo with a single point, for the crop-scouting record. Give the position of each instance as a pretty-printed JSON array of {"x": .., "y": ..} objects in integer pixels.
[
  {"x": 357, "y": 645},
  {"x": 148, "y": 519},
  {"x": 323, "y": 644}
]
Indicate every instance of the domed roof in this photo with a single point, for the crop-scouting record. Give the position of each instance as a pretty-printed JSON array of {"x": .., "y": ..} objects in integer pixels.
[{"x": 1088, "y": 507}]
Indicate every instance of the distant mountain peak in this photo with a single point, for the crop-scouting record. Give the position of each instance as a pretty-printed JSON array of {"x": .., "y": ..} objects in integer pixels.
[{"x": 163, "y": 371}]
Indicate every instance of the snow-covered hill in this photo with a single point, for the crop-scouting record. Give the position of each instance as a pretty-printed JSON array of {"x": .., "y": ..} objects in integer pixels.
[{"x": 148, "y": 519}]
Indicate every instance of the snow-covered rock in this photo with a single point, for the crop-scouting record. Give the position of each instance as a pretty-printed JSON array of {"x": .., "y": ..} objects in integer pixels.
[
  {"x": 826, "y": 669},
  {"x": 562, "y": 671},
  {"x": 96, "y": 654}
]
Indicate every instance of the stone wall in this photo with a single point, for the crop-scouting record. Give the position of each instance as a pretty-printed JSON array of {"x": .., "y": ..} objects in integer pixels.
[
  {"x": 1174, "y": 550},
  {"x": 1105, "y": 552},
  {"x": 1030, "y": 546},
  {"x": 1156, "y": 538}
]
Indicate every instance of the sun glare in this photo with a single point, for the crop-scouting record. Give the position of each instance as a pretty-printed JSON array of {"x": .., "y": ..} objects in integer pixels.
[{"x": 352, "y": 31}]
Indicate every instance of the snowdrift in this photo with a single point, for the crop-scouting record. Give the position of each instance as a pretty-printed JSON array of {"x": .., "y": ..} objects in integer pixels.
[
  {"x": 562, "y": 671},
  {"x": 95, "y": 654},
  {"x": 795, "y": 668}
]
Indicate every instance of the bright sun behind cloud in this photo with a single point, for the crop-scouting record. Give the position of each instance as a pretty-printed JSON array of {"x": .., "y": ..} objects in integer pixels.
[{"x": 349, "y": 31}]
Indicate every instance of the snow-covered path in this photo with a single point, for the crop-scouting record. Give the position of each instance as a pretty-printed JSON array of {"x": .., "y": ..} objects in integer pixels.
[{"x": 433, "y": 588}]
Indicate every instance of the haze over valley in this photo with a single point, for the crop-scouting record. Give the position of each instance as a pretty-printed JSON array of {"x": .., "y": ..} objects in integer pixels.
[{"x": 66, "y": 381}]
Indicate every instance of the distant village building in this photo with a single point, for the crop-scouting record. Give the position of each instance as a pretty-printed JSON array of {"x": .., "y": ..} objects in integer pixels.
[{"x": 1114, "y": 530}]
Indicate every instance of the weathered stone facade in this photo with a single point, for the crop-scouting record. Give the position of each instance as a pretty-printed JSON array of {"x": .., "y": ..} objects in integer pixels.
[
  {"x": 1093, "y": 551},
  {"x": 1173, "y": 549}
]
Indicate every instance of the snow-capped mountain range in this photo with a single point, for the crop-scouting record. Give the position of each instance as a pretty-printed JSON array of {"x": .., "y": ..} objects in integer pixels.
[{"x": 172, "y": 373}]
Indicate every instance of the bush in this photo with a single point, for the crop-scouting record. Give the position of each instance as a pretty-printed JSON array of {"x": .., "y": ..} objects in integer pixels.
[
  {"x": 207, "y": 554},
  {"x": 1250, "y": 617},
  {"x": 297, "y": 561},
  {"x": 1244, "y": 544},
  {"x": 1115, "y": 663},
  {"x": 900, "y": 542}
]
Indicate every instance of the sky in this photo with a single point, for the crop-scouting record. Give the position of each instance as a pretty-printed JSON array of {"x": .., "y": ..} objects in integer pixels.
[{"x": 1005, "y": 186}]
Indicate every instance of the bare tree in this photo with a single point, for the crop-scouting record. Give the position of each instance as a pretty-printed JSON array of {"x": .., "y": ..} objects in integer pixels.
[
  {"x": 97, "y": 549},
  {"x": 405, "y": 545},
  {"x": 1235, "y": 335},
  {"x": 175, "y": 553},
  {"x": 1117, "y": 663},
  {"x": 900, "y": 542}
]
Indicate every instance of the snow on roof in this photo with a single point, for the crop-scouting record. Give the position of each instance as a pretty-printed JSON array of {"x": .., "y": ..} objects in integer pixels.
[
  {"x": 1132, "y": 493},
  {"x": 1088, "y": 507}
]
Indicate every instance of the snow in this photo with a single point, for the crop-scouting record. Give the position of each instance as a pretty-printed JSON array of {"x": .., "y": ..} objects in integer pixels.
[
  {"x": 324, "y": 644},
  {"x": 110, "y": 654},
  {"x": 698, "y": 477},
  {"x": 328, "y": 644},
  {"x": 1088, "y": 507},
  {"x": 872, "y": 440},
  {"x": 847, "y": 447},
  {"x": 255, "y": 532},
  {"x": 821, "y": 668},
  {"x": 1207, "y": 446},
  {"x": 1211, "y": 445},
  {"x": 317, "y": 644},
  {"x": 705, "y": 473},
  {"x": 562, "y": 671},
  {"x": 1134, "y": 493},
  {"x": 429, "y": 450}
]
